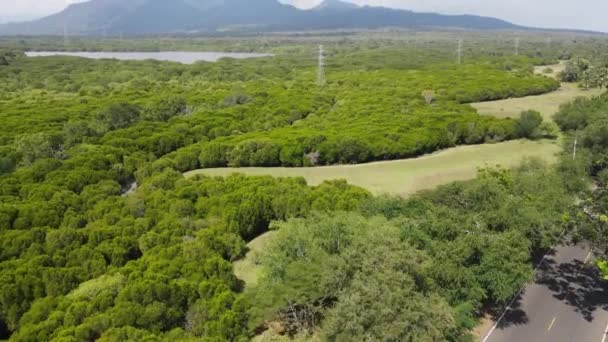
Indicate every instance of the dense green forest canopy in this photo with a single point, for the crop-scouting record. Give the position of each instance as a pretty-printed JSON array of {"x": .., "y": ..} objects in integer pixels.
[{"x": 82, "y": 259}]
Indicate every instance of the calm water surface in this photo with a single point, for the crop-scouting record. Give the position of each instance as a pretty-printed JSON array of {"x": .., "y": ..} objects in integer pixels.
[{"x": 171, "y": 56}]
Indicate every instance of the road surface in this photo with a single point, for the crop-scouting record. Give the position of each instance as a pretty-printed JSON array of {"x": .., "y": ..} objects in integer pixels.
[{"x": 568, "y": 302}]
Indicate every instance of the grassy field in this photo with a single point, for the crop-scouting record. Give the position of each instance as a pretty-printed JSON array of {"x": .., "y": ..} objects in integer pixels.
[
  {"x": 546, "y": 104},
  {"x": 247, "y": 269},
  {"x": 556, "y": 69},
  {"x": 408, "y": 176}
]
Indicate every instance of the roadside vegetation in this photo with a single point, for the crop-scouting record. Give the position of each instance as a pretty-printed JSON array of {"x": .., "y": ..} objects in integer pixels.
[
  {"x": 586, "y": 123},
  {"x": 80, "y": 260}
]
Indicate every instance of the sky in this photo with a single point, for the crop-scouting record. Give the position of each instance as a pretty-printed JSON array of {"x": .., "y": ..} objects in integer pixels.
[{"x": 578, "y": 14}]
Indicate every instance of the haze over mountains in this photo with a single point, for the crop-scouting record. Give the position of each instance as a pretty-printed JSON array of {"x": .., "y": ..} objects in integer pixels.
[{"x": 163, "y": 16}]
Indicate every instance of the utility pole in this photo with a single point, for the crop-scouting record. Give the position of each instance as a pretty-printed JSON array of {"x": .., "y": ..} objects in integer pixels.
[
  {"x": 459, "y": 51},
  {"x": 575, "y": 145},
  {"x": 321, "y": 70},
  {"x": 517, "y": 46}
]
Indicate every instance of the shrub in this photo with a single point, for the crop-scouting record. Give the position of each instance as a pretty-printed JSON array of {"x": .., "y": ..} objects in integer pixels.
[{"x": 528, "y": 124}]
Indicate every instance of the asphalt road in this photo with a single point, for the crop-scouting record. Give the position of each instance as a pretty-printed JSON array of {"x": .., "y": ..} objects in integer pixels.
[{"x": 568, "y": 302}]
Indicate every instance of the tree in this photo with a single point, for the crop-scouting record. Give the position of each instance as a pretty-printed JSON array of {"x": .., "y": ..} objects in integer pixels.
[
  {"x": 528, "y": 124},
  {"x": 120, "y": 115},
  {"x": 166, "y": 109},
  {"x": 573, "y": 72},
  {"x": 595, "y": 77}
]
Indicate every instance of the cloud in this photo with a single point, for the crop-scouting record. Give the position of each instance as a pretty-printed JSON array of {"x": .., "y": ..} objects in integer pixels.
[{"x": 32, "y": 8}]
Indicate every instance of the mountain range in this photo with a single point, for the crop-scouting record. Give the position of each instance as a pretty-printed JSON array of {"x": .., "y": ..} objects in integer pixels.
[{"x": 144, "y": 17}]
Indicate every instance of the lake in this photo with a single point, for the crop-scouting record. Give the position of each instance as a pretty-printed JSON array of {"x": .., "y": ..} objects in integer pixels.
[{"x": 171, "y": 56}]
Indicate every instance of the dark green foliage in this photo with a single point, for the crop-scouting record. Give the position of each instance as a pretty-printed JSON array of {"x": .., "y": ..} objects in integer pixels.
[
  {"x": 528, "y": 124},
  {"x": 118, "y": 116},
  {"x": 166, "y": 109}
]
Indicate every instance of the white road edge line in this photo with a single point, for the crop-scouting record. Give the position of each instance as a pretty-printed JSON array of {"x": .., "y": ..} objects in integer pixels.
[
  {"x": 522, "y": 290},
  {"x": 552, "y": 323},
  {"x": 605, "y": 334}
]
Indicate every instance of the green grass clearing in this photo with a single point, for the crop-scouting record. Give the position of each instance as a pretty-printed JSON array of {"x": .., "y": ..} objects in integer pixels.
[
  {"x": 556, "y": 69},
  {"x": 547, "y": 104},
  {"x": 247, "y": 269},
  {"x": 408, "y": 176}
]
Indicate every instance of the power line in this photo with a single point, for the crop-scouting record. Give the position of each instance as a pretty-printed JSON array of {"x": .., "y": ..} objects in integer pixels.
[{"x": 66, "y": 38}]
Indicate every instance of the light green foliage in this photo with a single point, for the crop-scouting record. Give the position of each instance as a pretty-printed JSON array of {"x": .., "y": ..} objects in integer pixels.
[
  {"x": 357, "y": 273},
  {"x": 595, "y": 77},
  {"x": 382, "y": 116},
  {"x": 92, "y": 288}
]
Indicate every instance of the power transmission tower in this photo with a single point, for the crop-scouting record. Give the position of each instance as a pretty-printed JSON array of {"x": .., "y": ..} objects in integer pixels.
[
  {"x": 459, "y": 51},
  {"x": 517, "y": 41},
  {"x": 321, "y": 70},
  {"x": 575, "y": 146},
  {"x": 66, "y": 38}
]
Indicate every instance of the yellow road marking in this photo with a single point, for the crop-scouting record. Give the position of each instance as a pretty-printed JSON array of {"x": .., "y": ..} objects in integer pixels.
[{"x": 552, "y": 322}]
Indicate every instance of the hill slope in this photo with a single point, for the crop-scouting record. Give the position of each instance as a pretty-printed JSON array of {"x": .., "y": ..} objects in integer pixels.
[{"x": 164, "y": 16}]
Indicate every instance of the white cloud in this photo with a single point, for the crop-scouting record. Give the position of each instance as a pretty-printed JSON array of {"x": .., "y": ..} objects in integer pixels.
[{"x": 31, "y": 8}]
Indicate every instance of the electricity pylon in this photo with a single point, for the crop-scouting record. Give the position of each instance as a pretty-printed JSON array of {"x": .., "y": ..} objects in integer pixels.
[{"x": 321, "y": 69}]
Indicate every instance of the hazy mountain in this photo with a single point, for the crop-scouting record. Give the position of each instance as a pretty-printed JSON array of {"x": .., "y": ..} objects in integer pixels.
[
  {"x": 336, "y": 5},
  {"x": 165, "y": 16}
]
